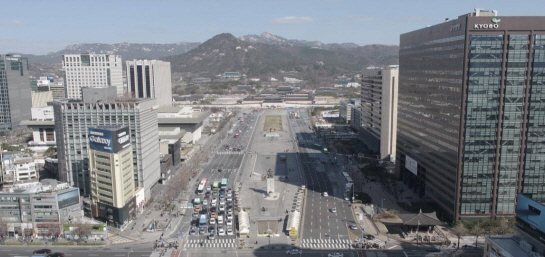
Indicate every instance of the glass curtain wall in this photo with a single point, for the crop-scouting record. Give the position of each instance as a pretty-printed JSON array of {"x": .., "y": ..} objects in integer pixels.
[
  {"x": 534, "y": 170},
  {"x": 513, "y": 111},
  {"x": 485, "y": 60}
]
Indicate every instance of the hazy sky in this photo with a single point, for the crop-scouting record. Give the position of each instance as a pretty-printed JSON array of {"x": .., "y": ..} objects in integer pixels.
[{"x": 39, "y": 27}]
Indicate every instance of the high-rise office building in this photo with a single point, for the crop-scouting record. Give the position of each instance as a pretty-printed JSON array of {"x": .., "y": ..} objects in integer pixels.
[
  {"x": 150, "y": 79},
  {"x": 91, "y": 70},
  {"x": 471, "y": 115},
  {"x": 111, "y": 174},
  {"x": 15, "y": 97},
  {"x": 100, "y": 106},
  {"x": 379, "y": 111}
]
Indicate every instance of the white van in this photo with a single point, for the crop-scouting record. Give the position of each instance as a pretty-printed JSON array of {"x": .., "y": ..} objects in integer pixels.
[{"x": 220, "y": 219}]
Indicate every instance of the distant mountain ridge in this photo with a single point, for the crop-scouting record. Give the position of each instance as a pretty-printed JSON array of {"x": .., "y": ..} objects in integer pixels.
[
  {"x": 128, "y": 51},
  {"x": 268, "y": 38},
  {"x": 267, "y": 55}
]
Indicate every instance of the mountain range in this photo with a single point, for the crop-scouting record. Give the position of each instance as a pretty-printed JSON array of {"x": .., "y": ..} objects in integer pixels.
[
  {"x": 268, "y": 55},
  {"x": 128, "y": 51},
  {"x": 255, "y": 55}
]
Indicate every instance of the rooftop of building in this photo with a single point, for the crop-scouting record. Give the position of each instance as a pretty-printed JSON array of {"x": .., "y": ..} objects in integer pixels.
[
  {"x": 44, "y": 186},
  {"x": 509, "y": 244},
  {"x": 110, "y": 127}
]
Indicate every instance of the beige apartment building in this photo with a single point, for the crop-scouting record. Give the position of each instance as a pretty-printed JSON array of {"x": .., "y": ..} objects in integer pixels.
[
  {"x": 111, "y": 174},
  {"x": 379, "y": 95}
]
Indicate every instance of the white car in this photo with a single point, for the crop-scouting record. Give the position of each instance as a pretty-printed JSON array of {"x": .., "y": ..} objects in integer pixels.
[
  {"x": 212, "y": 221},
  {"x": 229, "y": 223},
  {"x": 325, "y": 194},
  {"x": 229, "y": 194},
  {"x": 335, "y": 255},
  {"x": 221, "y": 231},
  {"x": 214, "y": 200},
  {"x": 229, "y": 212},
  {"x": 229, "y": 232},
  {"x": 209, "y": 188},
  {"x": 230, "y": 216},
  {"x": 222, "y": 207},
  {"x": 334, "y": 210},
  {"x": 205, "y": 202},
  {"x": 222, "y": 202},
  {"x": 229, "y": 199},
  {"x": 294, "y": 251}
]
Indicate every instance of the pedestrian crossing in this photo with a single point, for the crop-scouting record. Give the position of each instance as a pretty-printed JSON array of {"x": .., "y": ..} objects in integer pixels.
[
  {"x": 205, "y": 243},
  {"x": 325, "y": 243},
  {"x": 115, "y": 239},
  {"x": 229, "y": 153}
]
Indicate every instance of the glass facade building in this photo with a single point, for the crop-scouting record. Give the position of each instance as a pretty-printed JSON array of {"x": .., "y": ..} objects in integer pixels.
[{"x": 471, "y": 123}]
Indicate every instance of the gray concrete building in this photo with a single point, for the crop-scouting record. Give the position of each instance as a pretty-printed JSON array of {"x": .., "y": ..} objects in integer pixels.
[
  {"x": 379, "y": 96},
  {"x": 345, "y": 109},
  {"x": 150, "y": 79},
  {"x": 15, "y": 97},
  {"x": 39, "y": 208},
  {"x": 102, "y": 107}
]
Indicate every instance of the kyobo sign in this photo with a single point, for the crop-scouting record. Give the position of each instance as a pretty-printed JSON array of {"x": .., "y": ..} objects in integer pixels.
[
  {"x": 111, "y": 141},
  {"x": 493, "y": 25}
]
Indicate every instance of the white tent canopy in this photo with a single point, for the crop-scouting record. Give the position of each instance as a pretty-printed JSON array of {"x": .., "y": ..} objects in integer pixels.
[
  {"x": 294, "y": 221},
  {"x": 243, "y": 223}
]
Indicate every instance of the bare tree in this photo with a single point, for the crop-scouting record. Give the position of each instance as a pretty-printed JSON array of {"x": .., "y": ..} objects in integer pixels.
[
  {"x": 3, "y": 229},
  {"x": 476, "y": 231},
  {"x": 459, "y": 230},
  {"x": 82, "y": 230}
]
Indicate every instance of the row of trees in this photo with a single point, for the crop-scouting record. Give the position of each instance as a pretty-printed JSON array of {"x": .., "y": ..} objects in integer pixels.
[{"x": 479, "y": 228}]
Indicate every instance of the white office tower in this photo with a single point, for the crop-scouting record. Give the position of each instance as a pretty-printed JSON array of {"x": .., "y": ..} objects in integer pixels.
[
  {"x": 91, "y": 70},
  {"x": 150, "y": 79}
]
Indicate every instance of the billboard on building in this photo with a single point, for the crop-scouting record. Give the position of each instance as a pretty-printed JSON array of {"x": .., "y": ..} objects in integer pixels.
[
  {"x": 411, "y": 165},
  {"x": 68, "y": 199},
  {"x": 109, "y": 139},
  {"x": 531, "y": 212}
]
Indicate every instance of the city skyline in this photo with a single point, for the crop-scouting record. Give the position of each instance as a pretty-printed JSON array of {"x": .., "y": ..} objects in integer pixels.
[{"x": 27, "y": 31}]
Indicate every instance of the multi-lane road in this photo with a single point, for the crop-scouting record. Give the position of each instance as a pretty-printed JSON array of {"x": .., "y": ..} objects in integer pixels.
[
  {"x": 326, "y": 218},
  {"x": 224, "y": 163}
]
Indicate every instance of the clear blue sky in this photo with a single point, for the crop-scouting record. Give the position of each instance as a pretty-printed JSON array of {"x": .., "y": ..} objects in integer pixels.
[{"x": 39, "y": 27}]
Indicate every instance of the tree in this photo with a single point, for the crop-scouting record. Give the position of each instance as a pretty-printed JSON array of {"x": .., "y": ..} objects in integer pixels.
[
  {"x": 476, "y": 231},
  {"x": 459, "y": 230},
  {"x": 3, "y": 229},
  {"x": 50, "y": 151},
  {"x": 82, "y": 230}
]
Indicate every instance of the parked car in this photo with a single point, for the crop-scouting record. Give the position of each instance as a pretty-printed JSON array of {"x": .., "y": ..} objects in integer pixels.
[
  {"x": 229, "y": 223},
  {"x": 325, "y": 194},
  {"x": 230, "y": 232},
  {"x": 335, "y": 255},
  {"x": 353, "y": 227}
]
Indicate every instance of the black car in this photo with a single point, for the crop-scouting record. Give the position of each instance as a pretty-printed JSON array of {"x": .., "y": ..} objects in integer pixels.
[
  {"x": 220, "y": 170},
  {"x": 56, "y": 255},
  {"x": 211, "y": 229},
  {"x": 212, "y": 209},
  {"x": 42, "y": 251}
]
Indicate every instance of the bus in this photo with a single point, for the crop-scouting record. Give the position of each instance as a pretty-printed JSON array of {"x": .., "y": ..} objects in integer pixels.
[
  {"x": 202, "y": 186},
  {"x": 224, "y": 183},
  {"x": 216, "y": 185},
  {"x": 202, "y": 221}
]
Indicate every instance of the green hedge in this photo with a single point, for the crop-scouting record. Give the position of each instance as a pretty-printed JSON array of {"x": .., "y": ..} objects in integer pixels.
[
  {"x": 363, "y": 197},
  {"x": 12, "y": 243}
]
